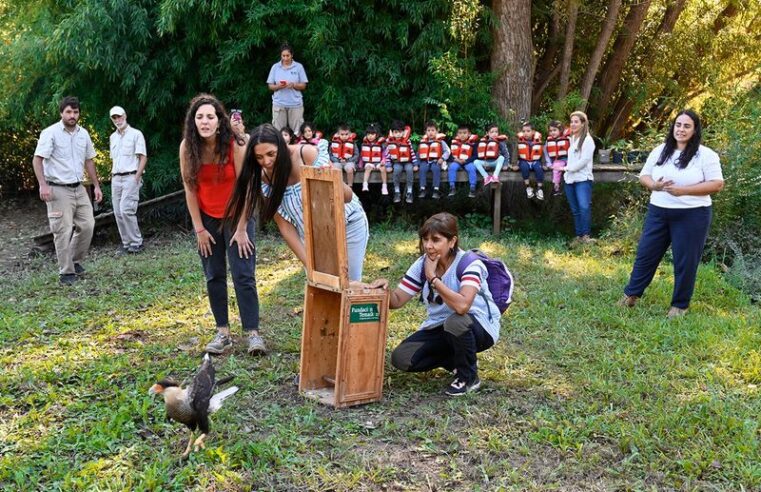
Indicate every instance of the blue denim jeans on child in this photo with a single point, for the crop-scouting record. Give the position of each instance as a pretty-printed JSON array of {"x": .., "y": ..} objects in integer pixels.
[
  {"x": 435, "y": 170},
  {"x": 579, "y": 197},
  {"x": 469, "y": 167},
  {"x": 527, "y": 167},
  {"x": 407, "y": 168},
  {"x": 482, "y": 165}
]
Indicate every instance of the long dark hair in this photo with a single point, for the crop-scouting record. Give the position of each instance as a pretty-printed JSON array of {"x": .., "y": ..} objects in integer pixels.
[
  {"x": 247, "y": 195},
  {"x": 442, "y": 223},
  {"x": 692, "y": 145},
  {"x": 194, "y": 142}
]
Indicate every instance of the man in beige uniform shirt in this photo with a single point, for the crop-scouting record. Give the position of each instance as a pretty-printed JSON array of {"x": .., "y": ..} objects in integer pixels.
[
  {"x": 63, "y": 151},
  {"x": 129, "y": 157}
]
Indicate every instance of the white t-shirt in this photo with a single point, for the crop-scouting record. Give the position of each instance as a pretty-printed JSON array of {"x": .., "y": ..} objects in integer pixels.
[
  {"x": 705, "y": 166},
  {"x": 486, "y": 312}
]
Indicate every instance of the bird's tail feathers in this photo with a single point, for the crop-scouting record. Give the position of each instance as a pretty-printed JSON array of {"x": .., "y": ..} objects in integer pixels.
[{"x": 216, "y": 401}]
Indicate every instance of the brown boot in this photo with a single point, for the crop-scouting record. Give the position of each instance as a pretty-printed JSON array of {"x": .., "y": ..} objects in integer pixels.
[{"x": 628, "y": 301}]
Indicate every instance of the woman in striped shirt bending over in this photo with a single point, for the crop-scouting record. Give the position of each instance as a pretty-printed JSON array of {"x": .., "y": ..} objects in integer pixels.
[
  {"x": 460, "y": 322},
  {"x": 271, "y": 180}
]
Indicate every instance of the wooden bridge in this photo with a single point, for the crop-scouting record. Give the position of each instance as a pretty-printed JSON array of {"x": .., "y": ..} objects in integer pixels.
[{"x": 604, "y": 173}]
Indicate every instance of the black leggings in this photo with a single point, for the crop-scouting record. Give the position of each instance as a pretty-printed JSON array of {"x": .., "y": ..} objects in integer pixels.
[{"x": 452, "y": 345}]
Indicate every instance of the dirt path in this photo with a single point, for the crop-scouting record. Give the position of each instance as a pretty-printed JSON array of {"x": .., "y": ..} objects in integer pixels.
[{"x": 21, "y": 218}]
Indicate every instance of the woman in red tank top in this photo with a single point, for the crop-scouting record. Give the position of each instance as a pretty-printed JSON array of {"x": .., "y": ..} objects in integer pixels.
[{"x": 211, "y": 158}]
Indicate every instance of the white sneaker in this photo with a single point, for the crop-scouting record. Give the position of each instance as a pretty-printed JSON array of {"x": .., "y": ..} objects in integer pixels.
[
  {"x": 539, "y": 194},
  {"x": 365, "y": 186},
  {"x": 384, "y": 189},
  {"x": 530, "y": 192}
]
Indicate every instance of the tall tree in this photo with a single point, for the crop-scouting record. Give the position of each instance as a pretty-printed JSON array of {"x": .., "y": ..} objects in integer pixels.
[
  {"x": 608, "y": 26},
  {"x": 513, "y": 58},
  {"x": 614, "y": 65},
  {"x": 570, "y": 34},
  {"x": 547, "y": 68}
]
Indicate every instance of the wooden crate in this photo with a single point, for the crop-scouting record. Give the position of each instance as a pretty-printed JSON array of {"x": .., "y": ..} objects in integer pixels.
[{"x": 343, "y": 345}]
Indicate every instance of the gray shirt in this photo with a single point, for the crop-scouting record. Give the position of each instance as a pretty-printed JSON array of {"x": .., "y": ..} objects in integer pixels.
[
  {"x": 126, "y": 150},
  {"x": 287, "y": 98},
  {"x": 63, "y": 153}
]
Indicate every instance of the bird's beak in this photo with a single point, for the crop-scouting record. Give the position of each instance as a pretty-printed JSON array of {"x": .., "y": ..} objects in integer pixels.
[{"x": 152, "y": 391}]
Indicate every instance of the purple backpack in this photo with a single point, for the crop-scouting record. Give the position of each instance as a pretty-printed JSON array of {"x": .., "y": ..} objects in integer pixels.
[{"x": 500, "y": 280}]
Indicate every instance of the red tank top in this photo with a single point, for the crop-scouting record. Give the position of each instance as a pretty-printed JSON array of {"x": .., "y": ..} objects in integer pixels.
[{"x": 215, "y": 185}]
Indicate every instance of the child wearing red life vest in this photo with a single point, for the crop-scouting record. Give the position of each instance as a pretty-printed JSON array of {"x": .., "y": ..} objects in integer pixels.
[
  {"x": 433, "y": 153},
  {"x": 556, "y": 152},
  {"x": 492, "y": 153},
  {"x": 401, "y": 157},
  {"x": 310, "y": 136},
  {"x": 373, "y": 156},
  {"x": 344, "y": 152},
  {"x": 530, "y": 150},
  {"x": 463, "y": 153}
]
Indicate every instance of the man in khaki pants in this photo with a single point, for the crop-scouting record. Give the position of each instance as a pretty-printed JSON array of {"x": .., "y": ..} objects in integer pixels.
[
  {"x": 128, "y": 155},
  {"x": 63, "y": 151}
]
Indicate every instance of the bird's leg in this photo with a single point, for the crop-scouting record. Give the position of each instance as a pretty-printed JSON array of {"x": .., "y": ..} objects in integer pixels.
[
  {"x": 190, "y": 443},
  {"x": 199, "y": 443}
]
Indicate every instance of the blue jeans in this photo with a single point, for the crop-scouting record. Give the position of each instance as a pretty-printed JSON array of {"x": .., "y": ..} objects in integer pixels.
[
  {"x": 407, "y": 167},
  {"x": 357, "y": 236},
  {"x": 469, "y": 167},
  {"x": 481, "y": 165},
  {"x": 435, "y": 169},
  {"x": 527, "y": 167},
  {"x": 686, "y": 230},
  {"x": 579, "y": 197},
  {"x": 243, "y": 271}
]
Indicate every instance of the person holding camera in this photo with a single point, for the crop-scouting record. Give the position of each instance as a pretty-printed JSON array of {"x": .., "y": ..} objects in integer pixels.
[{"x": 287, "y": 79}]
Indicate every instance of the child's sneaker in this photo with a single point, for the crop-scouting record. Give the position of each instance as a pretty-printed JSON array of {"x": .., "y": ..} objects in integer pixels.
[
  {"x": 436, "y": 195},
  {"x": 451, "y": 192},
  {"x": 472, "y": 193},
  {"x": 459, "y": 387},
  {"x": 557, "y": 193},
  {"x": 539, "y": 194},
  {"x": 365, "y": 186},
  {"x": 384, "y": 189},
  {"x": 408, "y": 196},
  {"x": 422, "y": 193},
  {"x": 530, "y": 192},
  {"x": 397, "y": 197}
]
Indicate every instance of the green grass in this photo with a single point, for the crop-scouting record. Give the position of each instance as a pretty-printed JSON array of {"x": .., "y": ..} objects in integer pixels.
[{"x": 578, "y": 394}]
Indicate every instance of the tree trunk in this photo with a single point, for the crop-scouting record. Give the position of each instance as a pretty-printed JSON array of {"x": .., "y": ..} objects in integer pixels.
[
  {"x": 622, "y": 48},
  {"x": 539, "y": 91},
  {"x": 546, "y": 68},
  {"x": 512, "y": 57},
  {"x": 614, "y": 6},
  {"x": 570, "y": 32}
]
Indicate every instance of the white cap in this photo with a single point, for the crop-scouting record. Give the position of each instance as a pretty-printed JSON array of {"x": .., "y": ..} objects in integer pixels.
[{"x": 116, "y": 110}]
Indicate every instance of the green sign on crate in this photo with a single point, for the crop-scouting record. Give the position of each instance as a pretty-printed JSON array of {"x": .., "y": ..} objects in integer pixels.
[{"x": 364, "y": 313}]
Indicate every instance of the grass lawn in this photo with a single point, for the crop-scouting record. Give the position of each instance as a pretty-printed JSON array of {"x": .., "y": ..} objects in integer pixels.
[{"x": 579, "y": 394}]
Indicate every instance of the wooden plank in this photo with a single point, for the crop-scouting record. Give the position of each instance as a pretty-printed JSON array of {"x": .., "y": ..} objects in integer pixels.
[
  {"x": 497, "y": 204},
  {"x": 361, "y": 346},
  {"x": 324, "y": 226},
  {"x": 319, "y": 337}
]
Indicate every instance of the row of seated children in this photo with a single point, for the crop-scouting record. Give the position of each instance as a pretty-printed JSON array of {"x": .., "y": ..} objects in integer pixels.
[{"x": 396, "y": 154}]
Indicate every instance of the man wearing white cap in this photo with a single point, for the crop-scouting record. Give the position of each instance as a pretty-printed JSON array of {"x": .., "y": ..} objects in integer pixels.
[{"x": 129, "y": 158}]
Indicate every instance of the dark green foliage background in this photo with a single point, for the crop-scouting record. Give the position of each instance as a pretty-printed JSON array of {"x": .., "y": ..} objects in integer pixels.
[{"x": 366, "y": 61}]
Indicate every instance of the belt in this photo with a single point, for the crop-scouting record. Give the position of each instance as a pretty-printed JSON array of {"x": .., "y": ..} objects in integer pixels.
[
  {"x": 67, "y": 185},
  {"x": 124, "y": 174}
]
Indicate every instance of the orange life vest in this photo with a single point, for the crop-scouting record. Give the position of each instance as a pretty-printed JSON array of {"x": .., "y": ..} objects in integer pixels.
[
  {"x": 488, "y": 148},
  {"x": 463, "y": 150},
  {"x": 530, "y": 146},
  {"x": 431, "y": 149},
  {"x": 557, "y": 148},
  {"x": 372, "y": 152},
  {"x": 399, "y": 149},
  {"x": 342, "y": 149}
]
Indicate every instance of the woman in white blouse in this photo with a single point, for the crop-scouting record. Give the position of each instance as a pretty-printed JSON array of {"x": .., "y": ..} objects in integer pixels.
[
  {"x": 578, "y": 176},
  {"x": 682, "y": 174}
]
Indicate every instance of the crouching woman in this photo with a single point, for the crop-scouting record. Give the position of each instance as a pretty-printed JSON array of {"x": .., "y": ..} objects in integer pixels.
[{"x": 462, "y": 317}]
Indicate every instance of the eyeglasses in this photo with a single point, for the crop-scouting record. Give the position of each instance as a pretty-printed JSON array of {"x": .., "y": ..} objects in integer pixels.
[{"x": 433, "y": 299}]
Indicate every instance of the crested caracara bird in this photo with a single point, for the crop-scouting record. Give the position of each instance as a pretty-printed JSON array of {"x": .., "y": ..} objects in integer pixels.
[{"x": 193, "y": 405}]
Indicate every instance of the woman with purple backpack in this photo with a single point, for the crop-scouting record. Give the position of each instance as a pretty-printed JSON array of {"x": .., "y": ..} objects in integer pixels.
[{"x": 463, "y": 317}]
